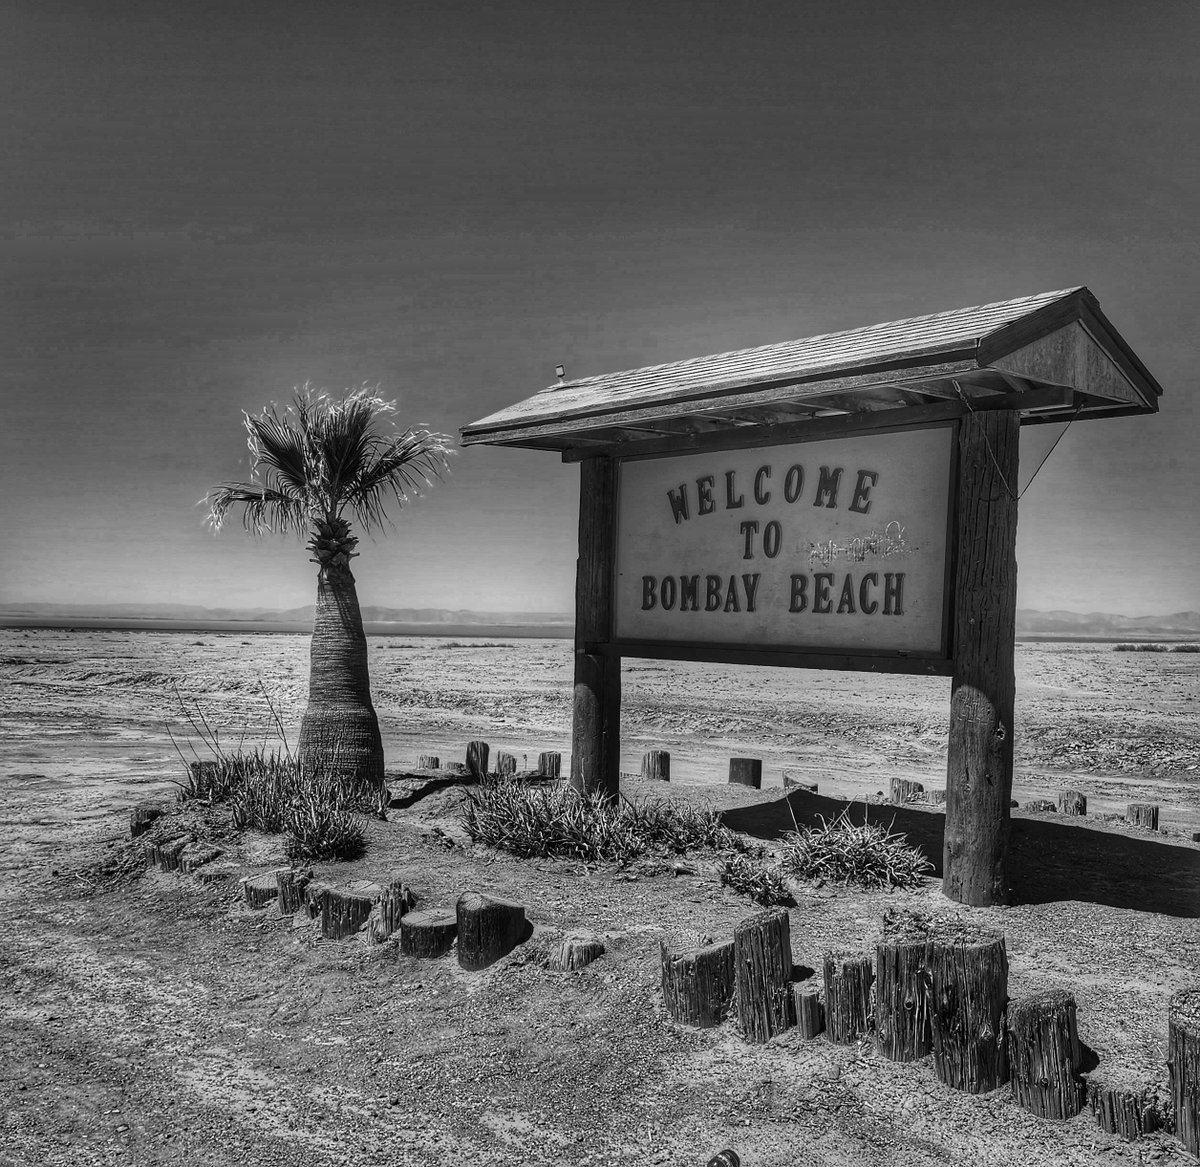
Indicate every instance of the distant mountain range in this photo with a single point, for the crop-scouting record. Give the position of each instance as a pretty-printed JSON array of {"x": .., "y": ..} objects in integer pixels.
[{"x": 1030, "y": 623}]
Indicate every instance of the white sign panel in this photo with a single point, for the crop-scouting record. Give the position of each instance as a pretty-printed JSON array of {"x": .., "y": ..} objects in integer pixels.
[{"x": 834, "y": 545}]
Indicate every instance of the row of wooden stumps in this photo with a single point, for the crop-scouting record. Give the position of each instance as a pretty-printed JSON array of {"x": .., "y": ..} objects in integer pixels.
[
  {"x": 940, "y": 991},
  {"x": 656, "y": 766},
  {"x": 504, "y": 764}
]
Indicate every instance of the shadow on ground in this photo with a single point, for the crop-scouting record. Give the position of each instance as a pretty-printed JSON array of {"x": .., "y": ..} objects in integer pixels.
[{"x": 1049, "y": 860}]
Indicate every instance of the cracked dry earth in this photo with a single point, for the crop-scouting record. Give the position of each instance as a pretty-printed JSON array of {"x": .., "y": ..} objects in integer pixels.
[{"x": 163, "y": 1022}]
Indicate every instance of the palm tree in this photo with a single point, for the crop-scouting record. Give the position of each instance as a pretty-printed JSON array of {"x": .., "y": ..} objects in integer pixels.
[{"x": 317, "y": 460}]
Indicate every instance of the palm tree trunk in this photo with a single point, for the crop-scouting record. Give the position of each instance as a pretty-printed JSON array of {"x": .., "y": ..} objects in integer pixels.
[{"x": 339, "y": 730}]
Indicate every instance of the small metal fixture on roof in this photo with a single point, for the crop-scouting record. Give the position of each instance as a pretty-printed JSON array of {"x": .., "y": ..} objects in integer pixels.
[{"x": 560, "y": 372}]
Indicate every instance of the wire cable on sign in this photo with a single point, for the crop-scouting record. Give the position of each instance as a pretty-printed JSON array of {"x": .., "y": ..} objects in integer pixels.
[{"x": 991, "y": 453}]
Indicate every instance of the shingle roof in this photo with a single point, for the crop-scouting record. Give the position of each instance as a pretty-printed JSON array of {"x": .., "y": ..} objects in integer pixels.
[{"x": 932, "y": 344}]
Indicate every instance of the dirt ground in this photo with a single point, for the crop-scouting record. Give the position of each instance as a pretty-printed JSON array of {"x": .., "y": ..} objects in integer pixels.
[{"x": 157, "y": 1020}]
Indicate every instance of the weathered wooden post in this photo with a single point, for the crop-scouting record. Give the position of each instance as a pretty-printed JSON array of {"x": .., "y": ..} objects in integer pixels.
[
  {"x": 980, "y": 760},
  {"x": 596, "y": 718}
]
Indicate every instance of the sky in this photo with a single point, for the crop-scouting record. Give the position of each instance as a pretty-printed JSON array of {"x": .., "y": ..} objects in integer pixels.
[{"x": 205, "y": 205}]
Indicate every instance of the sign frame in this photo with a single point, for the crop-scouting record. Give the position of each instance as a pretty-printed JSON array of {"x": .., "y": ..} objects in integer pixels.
[{"x": 939, "y": 662}]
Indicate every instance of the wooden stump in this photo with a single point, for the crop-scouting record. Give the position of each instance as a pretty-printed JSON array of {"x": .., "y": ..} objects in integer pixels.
[
  {"x": 428, "y": 934},
  {"x": 259, "y": 890},
  {"x": 142, "y": 816},
  {"x": 429, "y": 762},
  {"x": 314, "y": 897},
  {"x": 1072, "y": 802},
  {"x": 937, "y": 797},
  {"x": 575, "y": 952},
  {"x": 1143, "y": 814},
  {"x": 488, "y": 929},
  {"x": 1044, "y": 1054},
  {"x": 165, "y": 853},
  {"x": 808, "y": 1008},
  {"x": 762, "y": 951},
  {"x": 1128, "y": 1110},
  {"x": 968, "y": 989},
  {"x": 344, "y": 912},
  {"x": 196, "y": 855},
  {"x": 905, "y": 790},
  {"x": 848, "y": 1012},
  {"x": 698, "y": 982},
  {"x": 549, "y": 764},
  {"x": 477, "y": 759},
  {"x": 902, "y": 1031},
  {"x": 746, "y": 772},
  {"x": 397, "y": 899},
  {"x": 506, "y": 764},
  {"x": 656, "y": 765},
  {"x": 798, "y": 780},
  {"x": 1041, "y": 806},
  {"x": 1183, "y": 1065},
  {"x": 292, "y": 883}
]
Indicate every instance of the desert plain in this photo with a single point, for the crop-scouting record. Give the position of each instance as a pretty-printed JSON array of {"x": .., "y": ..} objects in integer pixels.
[{"x": 152, "y": 1018}]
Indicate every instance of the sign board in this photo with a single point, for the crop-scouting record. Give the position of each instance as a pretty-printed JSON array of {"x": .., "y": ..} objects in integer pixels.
[{"x": 834, "y": 546}]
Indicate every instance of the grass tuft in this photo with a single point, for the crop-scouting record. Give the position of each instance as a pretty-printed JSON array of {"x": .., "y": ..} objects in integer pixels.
[
  {"x": 864, "y": 854},
  {"x": 763, "y": 883},
  {"x": 557, "y": 822}
]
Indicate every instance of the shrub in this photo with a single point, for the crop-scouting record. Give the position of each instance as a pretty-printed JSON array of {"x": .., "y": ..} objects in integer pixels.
[
  {"x": 555, "y": 821},
  {"x": 320, "y": 821},
  {"x": 262, "y": 801},
  {"x": 1141, "y": 648},
  {"x": 1186, "y": 648},
  {"x": 842, "y": 852},
  {"x": 762, "y": 882}
]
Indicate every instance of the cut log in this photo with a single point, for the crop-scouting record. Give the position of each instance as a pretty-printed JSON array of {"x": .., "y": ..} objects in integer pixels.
[
  {"x": 429, "y": 762},
  {"x": 344, "y": 912},
  {"x": 656, "y": 765},
  {"x": 196, "y": 855},
  {"x": 142, "y": 816},
  {"x": 1072, "y": 802},
  {"x": 848, "y": 1013},
  {"x": 477, "y": 759},
  {"x": 1126, "y": 1109},
  {"x": 798, "y": 780},
  {"x": 488, "y": 929},
  {"x": 428, "y": 934},
  {"x": 902, "y": 1032},
  {"x": 746, "y": 772},
  {"x": 575, "y": 952},
  {"x": 808, "y": 1008},
  {"x": 164, "y": 853},
  {"x": 1143, "y": 814},
  {"x": 906, "y": 790},
  {"x": 698, "y": 982},
  {"x": 762, "y": 951},
  {"x": 968, "y": 990},
  {"x": 259, "y": 890},
  {"x": 397, "y": 899},
  {"x": 549, "y": 764},
  {"x": 506, "y": 764},
  {"x": 1043, "y": 1054},
  {"x": 1183, "y": 1065},
  {"x": 1041, "y": 806},
  {"x": 292, "y": 883}
]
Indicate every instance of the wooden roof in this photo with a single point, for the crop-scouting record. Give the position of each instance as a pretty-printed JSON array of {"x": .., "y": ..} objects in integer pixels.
[{"x": 1051, "y": 356}]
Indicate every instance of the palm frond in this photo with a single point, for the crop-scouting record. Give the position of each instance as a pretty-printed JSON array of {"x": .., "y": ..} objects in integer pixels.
[
  {"x": 280, "y": 445},
  {"x": 398, "y": 470},
  {"x": 264, "y": 511}
]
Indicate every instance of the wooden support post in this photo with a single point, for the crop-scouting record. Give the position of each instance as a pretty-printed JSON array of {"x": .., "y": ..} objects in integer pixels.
[
  {"x": 1072, "y": 802},
  {"x": 762, "y": 953},
  {"x": 980, "y": 759},
  {"x": 656, "y": 765},
  {"x": 477, "y": 759},
  {"x": 549, "y": 764},
  {"x": 746, "y": 772},
  {"x": 902, "y": 1031},
  {"x": 697, "y": 981},
  {"x": 848, "y": 1012},
  {"x": 596, "y": 717},
  {"x": 1142, "y": 814},
  {"x": 808, "y": 1007}
]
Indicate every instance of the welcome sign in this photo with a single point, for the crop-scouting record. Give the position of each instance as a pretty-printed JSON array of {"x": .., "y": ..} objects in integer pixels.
[{"x": 825, "y": 546}]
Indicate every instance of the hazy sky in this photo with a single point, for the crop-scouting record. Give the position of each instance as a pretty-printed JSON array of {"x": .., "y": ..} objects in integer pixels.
[{"x": 204, "y": 205}]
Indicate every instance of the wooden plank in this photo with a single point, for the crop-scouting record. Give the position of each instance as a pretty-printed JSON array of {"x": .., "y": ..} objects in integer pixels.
[
  {"x": 596, "y": 713},
  {"x": 861, "y": 661},
  {"x": 980, "y": 758}
]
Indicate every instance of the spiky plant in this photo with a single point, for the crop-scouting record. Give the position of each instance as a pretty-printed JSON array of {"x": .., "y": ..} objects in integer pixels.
[{"x": 311, "y": 465}]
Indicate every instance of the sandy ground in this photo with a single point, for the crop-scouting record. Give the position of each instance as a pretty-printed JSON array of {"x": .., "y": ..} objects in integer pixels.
[{"x": 161, "y": 1021}]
